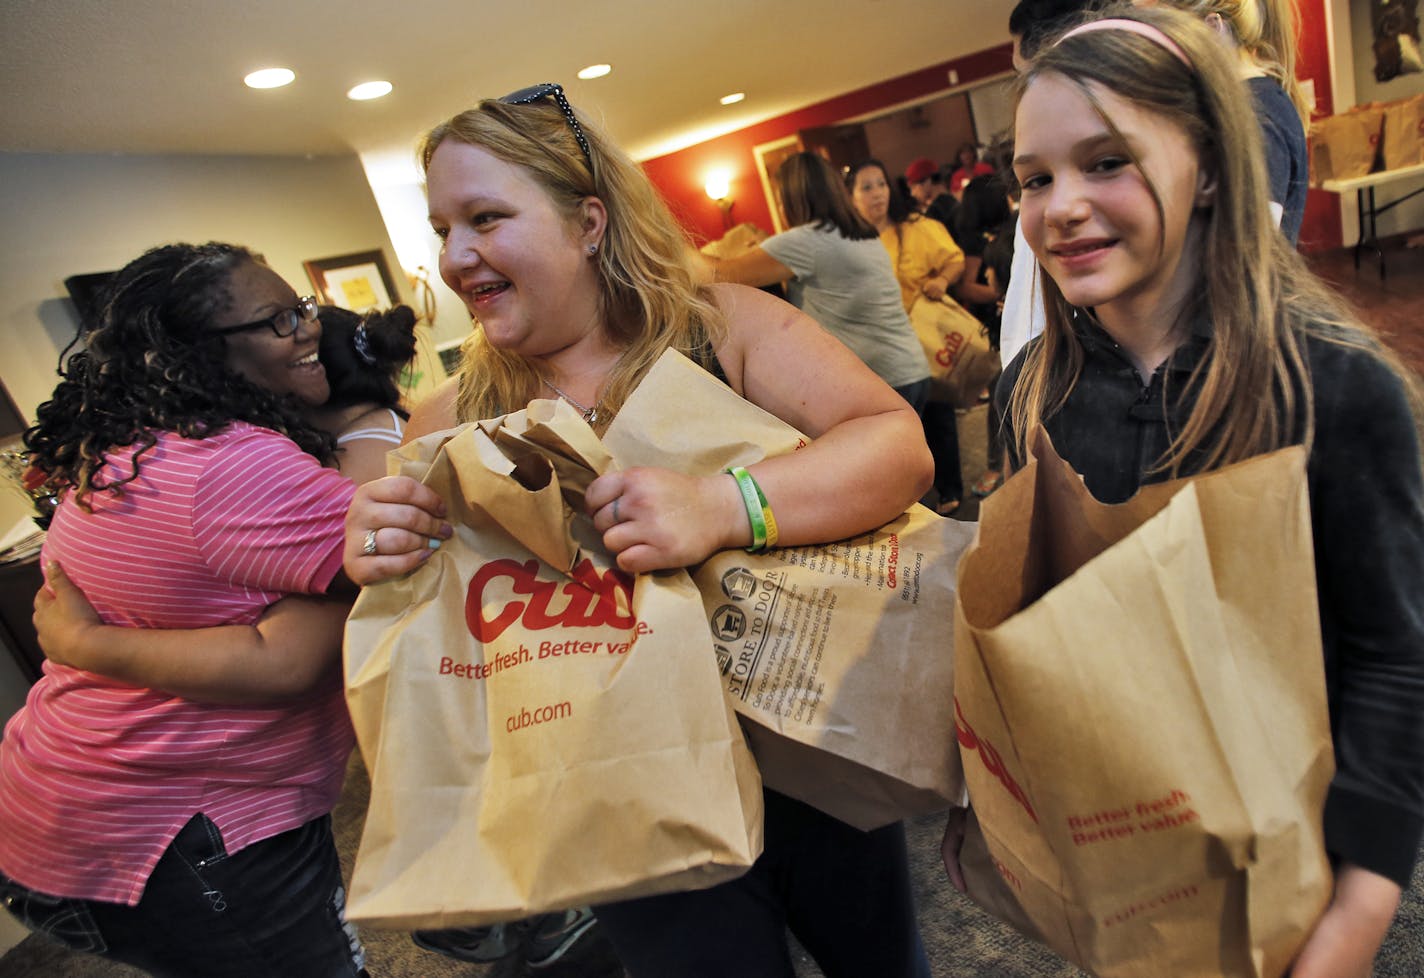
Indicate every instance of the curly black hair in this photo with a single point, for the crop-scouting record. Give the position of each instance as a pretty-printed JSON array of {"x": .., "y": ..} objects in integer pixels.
[
  {"x": 152, "y": 363},
  {"x": 364, "y": 354}
]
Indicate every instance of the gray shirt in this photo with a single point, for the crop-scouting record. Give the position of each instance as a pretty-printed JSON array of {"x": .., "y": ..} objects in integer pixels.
[{"x": 850, "y": 289}]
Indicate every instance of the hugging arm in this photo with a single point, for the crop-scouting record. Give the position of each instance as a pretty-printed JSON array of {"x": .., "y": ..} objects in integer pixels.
[{"x": 289, "y": 652}]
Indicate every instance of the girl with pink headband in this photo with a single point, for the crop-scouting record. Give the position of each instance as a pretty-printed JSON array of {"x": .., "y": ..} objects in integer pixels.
[{"x": 1184, "y": 334}]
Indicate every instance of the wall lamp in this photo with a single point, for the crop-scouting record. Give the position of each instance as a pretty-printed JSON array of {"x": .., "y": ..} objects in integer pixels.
[{"x": 719, "y": 188}]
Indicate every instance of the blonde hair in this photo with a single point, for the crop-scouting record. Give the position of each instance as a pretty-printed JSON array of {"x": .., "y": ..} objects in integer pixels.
[
  {"x": 650, "y": 294},
  {"x": 1256, "y": 293},
  {"x": 1268, "y": 31}
]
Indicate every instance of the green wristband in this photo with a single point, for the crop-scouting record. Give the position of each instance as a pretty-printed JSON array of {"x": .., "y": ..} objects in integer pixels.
[{"x": 753, "y": 500}]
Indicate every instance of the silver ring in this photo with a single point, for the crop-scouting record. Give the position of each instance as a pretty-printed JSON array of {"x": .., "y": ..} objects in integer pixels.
[
  {"x": 369, "y": 547},
  {"x": 616, "y": 517}
]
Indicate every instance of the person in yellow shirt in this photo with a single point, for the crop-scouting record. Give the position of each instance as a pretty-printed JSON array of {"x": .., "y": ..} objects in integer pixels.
[{"x": 927, "y": 262}]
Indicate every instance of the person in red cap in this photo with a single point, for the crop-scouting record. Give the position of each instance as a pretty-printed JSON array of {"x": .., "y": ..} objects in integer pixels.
[{"x": 927, "y": 187}]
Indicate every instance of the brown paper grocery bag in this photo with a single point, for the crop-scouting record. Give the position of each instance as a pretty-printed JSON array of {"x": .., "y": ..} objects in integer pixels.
[
  {"x": 542, "y": 730},
  {"x": 1346, "y": 145},
  {"x": 1141, "y": 708},
  {"x": 957, "y": 347},
  {"x": 837, "y": 657},
  {"x": 1403, "y": 143}
]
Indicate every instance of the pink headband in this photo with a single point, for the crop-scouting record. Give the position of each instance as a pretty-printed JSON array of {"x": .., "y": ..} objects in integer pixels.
[{"x": 1153, "y": 34}]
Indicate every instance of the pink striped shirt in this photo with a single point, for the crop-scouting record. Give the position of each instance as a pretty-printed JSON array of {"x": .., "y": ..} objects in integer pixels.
[{"x": 97, "y": 777}]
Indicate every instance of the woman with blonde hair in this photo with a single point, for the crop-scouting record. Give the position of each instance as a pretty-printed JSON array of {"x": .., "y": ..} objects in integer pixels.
[
  {"x": 1184, "y": 334},
  {"x": 1262, "y": 33},
  {"x": 579, "y": 280}
]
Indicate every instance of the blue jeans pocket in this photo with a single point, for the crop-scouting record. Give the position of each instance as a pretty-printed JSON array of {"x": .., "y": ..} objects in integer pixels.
[{"x": 69, "y": 922}]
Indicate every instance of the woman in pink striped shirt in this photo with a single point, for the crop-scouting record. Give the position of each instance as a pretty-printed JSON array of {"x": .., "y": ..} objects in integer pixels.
[{"x": 184, "y": 837}]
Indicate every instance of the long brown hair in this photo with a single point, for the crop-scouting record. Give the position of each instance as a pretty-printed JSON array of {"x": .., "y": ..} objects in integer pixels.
[
  {"x": 651, "y": 295},
  {"x": 1256, "y": 293},
  {"x": 812, "y": 193}
]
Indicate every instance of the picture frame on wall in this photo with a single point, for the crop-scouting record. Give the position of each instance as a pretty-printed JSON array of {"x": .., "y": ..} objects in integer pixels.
[
  {"x": 769, "y": 157},
  {"x": 359, "y": 281}
]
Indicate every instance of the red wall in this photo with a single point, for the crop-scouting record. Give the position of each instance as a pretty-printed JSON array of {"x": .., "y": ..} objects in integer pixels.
[
  {"x": 1320, "y": 230},
  {"x": 680, "y": 176}
]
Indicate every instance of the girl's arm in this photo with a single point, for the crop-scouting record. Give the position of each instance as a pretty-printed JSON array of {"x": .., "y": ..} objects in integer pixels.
[
  {"x": 755, "y": 268},
  {"x": 1348, "y": 935},
  {"x": 867, "y": 464},
  {"x": 970, "y": 290},
  {"x": 295, "y": 645}
]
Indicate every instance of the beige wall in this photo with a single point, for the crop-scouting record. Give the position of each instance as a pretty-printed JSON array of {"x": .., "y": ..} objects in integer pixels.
[
  {"x": 64, "y": 214},
  {"x": 1408, "y": 216}
]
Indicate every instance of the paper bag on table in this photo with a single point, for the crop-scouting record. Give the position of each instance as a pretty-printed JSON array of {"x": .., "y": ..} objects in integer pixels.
[
  {"x": 1347, "y": 145},
  {"x": 542, "y": 730},
  {"x": 1404, "y": 132},
  {"x": 1141, "y": 706},
  {"x": 837, "y": 657}
]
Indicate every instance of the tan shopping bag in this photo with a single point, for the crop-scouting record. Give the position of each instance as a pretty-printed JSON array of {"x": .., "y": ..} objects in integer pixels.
[
  {"x": 542, "y": 731},
  {"x": 1404, "y": 132},
  {"x": 957, "y": 346},
  {"x": 1347, "y": 145},
  {"x": 837, "y": 657},
  {"x": 736, "y": 242},
  {"x": 1141, "y": 708}
]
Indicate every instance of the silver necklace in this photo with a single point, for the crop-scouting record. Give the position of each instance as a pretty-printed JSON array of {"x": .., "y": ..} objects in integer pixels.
[{"x": 590, "y": 414}]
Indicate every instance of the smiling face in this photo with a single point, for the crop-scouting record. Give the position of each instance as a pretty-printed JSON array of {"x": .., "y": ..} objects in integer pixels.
[
  {"x": 871, "y": 194},
  {"x": 283, "y": 365},
  {"x": 1087, "y": 209},
  {"x": 519, "y": 262}
]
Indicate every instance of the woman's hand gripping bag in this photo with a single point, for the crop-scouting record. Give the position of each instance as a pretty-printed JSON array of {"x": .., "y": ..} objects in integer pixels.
[
  {"x": 542, "y": 730},
  {"x": 1141, "y": 710},
  {"x": 837, "y": 657}
]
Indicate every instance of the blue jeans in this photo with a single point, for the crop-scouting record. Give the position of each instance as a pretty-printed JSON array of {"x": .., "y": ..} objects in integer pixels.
[
  {"x": 941, "y": 424},
  {"x": 274, "y": 910},
  {"x": 844, "y": 893},
  {"x": 917, "y": 394}
]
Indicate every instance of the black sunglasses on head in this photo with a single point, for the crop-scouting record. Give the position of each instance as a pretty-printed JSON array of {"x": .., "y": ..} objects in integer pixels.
[
  {"x": 283, "y": 323},
  {"x": 527, "y": 96}
]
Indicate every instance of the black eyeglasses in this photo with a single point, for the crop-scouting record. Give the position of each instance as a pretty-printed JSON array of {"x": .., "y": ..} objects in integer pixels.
[
  {"x": 534, "y": 93},
  {"x": 284, "y": 323}
]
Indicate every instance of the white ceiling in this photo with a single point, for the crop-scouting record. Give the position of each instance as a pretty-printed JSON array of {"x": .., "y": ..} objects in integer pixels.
[{"x": 165, "y": 76}]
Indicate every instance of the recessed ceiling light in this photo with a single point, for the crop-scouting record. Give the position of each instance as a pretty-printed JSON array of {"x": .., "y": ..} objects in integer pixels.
[
  {"x": 734, "y": 98},
  {"x": 270, "y": 78},
  {"x": 594, "y": 71},
  {"x": 369, "y": 90}
]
